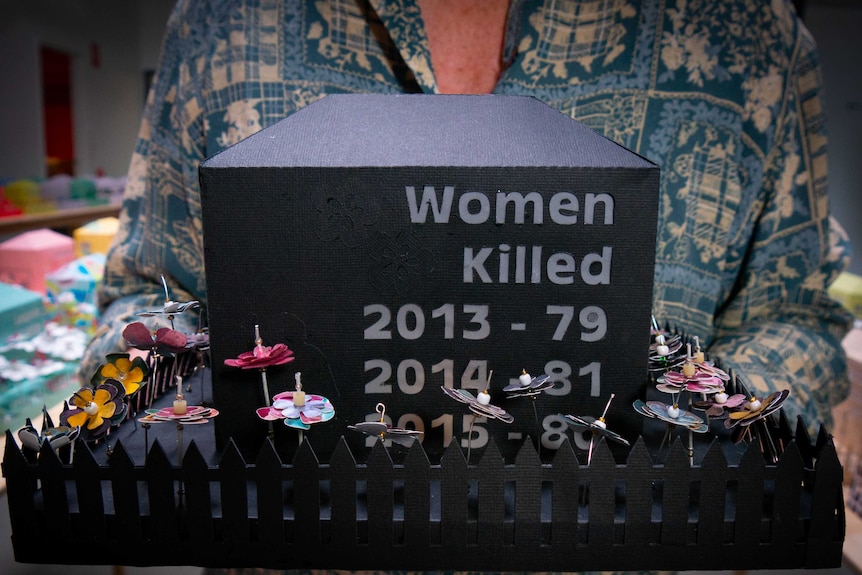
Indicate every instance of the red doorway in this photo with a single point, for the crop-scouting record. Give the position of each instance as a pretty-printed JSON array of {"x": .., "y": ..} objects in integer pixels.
[{"x": 57, "y": 112}]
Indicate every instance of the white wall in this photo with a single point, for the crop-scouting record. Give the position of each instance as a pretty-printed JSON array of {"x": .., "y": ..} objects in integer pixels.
[
  {"x": 107, "y": 99},
  {"x": 837, "y": 28}
]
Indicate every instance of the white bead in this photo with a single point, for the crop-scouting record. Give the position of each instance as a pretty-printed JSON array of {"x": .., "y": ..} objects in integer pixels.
[
  {"x": 484, "y": 398},
  {"x": 91, "y": 409},
  {"x": 525, "y": 379},
  {"x": 754, "y": 404},
  {"x": 673, "y": 411},
  {"x": 600, "y": 423},
  {"x": 662, "y": 350},
  {"x": 720, "y": 398}
]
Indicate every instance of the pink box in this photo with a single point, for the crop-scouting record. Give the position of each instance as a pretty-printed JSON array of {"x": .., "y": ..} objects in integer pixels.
[{"x": 26, "y": 259}]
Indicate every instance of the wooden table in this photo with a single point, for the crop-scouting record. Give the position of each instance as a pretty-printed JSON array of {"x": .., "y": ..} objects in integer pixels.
[{"x": 60, "y": 219}]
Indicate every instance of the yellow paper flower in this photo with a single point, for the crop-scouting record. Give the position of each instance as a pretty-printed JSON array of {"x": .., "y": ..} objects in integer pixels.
[
  {"x": 94, "y": 408},
  {"x": 127, "y": 372}
]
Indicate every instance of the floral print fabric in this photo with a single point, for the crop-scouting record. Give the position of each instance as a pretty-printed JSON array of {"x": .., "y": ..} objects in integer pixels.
[{"x": 724, "y": 96}]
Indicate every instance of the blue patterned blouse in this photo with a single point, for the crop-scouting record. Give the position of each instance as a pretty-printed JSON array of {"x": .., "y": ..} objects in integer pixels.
[{"x": 725, "y": 96}]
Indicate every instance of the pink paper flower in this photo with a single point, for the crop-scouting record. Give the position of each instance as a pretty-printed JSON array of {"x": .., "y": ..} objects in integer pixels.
[
  {"x": 718, "y": 405},
  {"x": 262, "y": 356}
]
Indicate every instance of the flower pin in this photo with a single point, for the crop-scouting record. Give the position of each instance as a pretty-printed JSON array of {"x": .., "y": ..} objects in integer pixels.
[
  {"x": 718, "y": 404},
  {"x": 170, "y": 307},
  {"x": 671, "y": 414},
  {"x": 260, "y": 358},
  {"x": 480, "y": 405},
  {"x": 131, "y": 373},
  {"x": 696, "y": 375},
  {"x": 752, "y": 418},
  {"x": 756, "y": 409},
  {"x": 164, "y": 341},
  {"x": 597, "y": 427},
  {"x": 180, "y": 411},
  {"x": 96, "y": 410},
  {"x": 56, "y": 436},
  {"x": 298, "y": 409},
  {"x": 664, "y": 350},
  {"x": 528, "y": 386},
  {"x": 385, "y": 431}
]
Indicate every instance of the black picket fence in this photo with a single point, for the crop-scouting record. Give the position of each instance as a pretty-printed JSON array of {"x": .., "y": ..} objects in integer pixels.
[{"x": 675, "y": 513}]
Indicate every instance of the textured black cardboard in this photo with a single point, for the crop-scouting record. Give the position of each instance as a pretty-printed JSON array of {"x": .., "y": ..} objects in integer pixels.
[{"x": 310, "y": 233}]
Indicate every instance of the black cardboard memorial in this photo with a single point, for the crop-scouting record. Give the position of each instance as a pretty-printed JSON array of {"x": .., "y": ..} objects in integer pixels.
[
  {"x": 309, "y": 212},
  {"x": 402, "y": 243}
]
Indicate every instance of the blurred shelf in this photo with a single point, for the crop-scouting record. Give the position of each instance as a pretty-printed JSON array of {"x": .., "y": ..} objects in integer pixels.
[{"x": 61, "y": 219}]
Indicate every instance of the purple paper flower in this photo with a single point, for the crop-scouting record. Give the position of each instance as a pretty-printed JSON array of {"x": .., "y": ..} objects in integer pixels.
[
  {"x": 719, "y": 403},
  {"x": 164, "y": 341}
]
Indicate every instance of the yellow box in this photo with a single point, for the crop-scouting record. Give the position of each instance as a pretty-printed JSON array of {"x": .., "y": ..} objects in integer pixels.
[{"x": 95, "y": 237}]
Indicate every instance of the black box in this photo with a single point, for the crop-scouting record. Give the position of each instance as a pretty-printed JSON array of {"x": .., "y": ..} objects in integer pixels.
[{"x": 400, "y": 243}]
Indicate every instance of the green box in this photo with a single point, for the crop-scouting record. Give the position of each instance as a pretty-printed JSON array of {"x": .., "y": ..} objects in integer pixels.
[
  {"x": 847, "y": 290},
  {"x": 22, "y": 312}
]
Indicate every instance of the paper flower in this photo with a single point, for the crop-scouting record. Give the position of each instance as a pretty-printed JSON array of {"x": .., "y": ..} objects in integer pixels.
[
  {"x": 699, "y": 382},
  {"x": 170, "y": 307},
  {"x": 164, "y": 341},
  {"x": 756, "y": 409},
  {"x": 195, "y": 414},
  {"x": 597, "y": 426},
  {"x": 386, "y": 431},
  {"x": 200, "y": 340},
  {"x": 480, "y": 405},
  {"x": 262, "y": 356},
  {"x": 664, "y": 349},
  {"x": 96, "y": 410},
  {"x": 120, "y": 367},
  {"x": 298, "y": 409},
  {"x": 56, "y": 436},
  {"x": 528, "y": 386},
  {"x": 671, "y": 414},
  {"x": 696, "y": 374},
  {"x": 719, "y": 403}
]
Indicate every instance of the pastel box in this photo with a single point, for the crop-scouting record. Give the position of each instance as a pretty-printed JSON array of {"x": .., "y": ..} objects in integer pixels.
[
  {"x": 96, "y": 236},
  {"x": 26, "y": 259},
  {"x": 80, "y": 278},
  {"x": 22, "y": 312}
]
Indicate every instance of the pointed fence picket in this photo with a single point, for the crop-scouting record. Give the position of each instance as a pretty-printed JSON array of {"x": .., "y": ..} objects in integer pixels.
[{"x": 561, "y": 516}]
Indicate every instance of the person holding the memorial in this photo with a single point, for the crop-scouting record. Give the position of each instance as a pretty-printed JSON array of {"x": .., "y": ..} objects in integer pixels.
[{"x": 726, "y": 97}]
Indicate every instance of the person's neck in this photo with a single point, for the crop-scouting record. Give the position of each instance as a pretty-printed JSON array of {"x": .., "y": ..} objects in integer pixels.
[{"x": 465, "y": 38}]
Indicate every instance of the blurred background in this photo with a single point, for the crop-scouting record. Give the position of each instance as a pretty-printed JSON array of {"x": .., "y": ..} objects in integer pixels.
[{"x": 75, "y": 74}]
